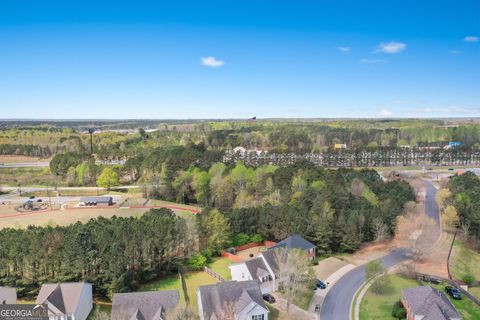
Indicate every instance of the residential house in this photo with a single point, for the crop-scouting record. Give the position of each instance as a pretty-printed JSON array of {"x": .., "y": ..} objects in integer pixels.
[
  {"x": 143, "y": 305},
  {"x": 239, "y": 299},
  {"x": 67, "y": 301},
  {"x": 263, "y": 268},
  {"x": 427, "y": 303},
  {"x": 8, "y": 295},
  {"x": 297, "y": 242}
]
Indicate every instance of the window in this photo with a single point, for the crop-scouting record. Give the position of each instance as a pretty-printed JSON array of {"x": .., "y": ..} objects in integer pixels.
[{"x": 258, "y": 317}]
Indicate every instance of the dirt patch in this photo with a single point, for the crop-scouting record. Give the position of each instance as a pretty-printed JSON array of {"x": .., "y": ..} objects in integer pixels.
[
  {"x": 369, "y": 252},
  {"x": 245, "y": 254},
  {"x": 327, "y": 267}
]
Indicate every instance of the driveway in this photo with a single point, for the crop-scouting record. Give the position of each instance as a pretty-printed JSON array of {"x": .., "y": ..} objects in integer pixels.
[{"x": 336, "y": 305}]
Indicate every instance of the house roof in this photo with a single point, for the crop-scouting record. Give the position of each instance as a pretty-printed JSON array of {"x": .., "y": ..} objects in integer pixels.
[
  {"x": 143, "y": 305},
  {"x": 96, "y": 199},
  {"x": 295, "y": 242},
  {"x": 430, "y": 303},
  {"x": 257, "y": 267},
  {"x": 240, "y": 293},
  {"x": 63, "y": 296},
  {"x": 6, "y": 294},
  {"x": 271, "y": 260}
]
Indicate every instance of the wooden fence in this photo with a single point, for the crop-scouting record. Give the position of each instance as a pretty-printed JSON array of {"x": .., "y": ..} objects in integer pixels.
[{"x": 214, "y": 274}]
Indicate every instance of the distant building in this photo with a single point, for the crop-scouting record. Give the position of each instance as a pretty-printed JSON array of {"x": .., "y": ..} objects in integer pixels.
[
  {"x": 96, "y": 201},
  {"x": 240, "y": 299},
  {"x": 452, "y": 144},
  {"x": 427, "y": 303},
  {"x": 8, "y": 295},
  {"x": 240, "y": 150},
  {"x": 67, "y": 301},
  {"x": 144, "y": 305},
  {"x": 340, "y": 146},
  {"x": 297, "y": 242}
]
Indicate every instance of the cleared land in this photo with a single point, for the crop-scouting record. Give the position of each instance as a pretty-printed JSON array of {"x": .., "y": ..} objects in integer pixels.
[
  {"x": 245, "y": 254},
  {"x": 327, "y": 267},
  {"x": 21, "y": 159},
  {"x": 379, "y": 307},
  {"x": 464, "y": 261}
]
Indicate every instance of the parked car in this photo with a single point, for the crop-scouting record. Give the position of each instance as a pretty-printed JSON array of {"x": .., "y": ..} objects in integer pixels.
[
  {"x": 39, "y": 200},
  {"x": 320, "y": 284},
  {"x": 269, "y": 298},
  {"x": 31, "y": 197},
  {"x": 431, "y": 280},
  {"x": 453, "y": 292}
]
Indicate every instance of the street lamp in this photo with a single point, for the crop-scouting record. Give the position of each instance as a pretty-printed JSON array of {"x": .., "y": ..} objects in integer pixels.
[{"x": 91, "y": 131}]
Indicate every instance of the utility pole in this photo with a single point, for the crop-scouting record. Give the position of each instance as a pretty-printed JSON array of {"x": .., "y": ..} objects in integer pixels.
[{"x": 91, "y": 131}]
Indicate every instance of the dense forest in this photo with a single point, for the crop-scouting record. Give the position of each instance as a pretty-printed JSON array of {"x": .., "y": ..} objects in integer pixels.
[
  {"x": 114, "y": 254},
  {"x": 465, "y": 190},
  {"x": 124, "y": 139}
]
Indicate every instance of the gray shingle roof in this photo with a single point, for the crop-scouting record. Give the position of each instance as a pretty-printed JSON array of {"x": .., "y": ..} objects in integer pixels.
[
  {"x": 295, "y": 242},
  {"x": 430, "y": 303},
  {"x": 9, "y": 295},
  {"x": 143, "y": 305},
  {"x": 64, "y": 296},
  {"x": 271, "y": 259},
  {"x": 257, "y": 267},
  {"x": 240, "y": 293},
  {"x": 96, "y": 199}
]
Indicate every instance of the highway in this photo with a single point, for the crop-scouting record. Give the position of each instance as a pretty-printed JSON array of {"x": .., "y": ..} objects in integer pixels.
[
  {"x": 336, "y": 305},
  {"x": 25, "y": 165}
]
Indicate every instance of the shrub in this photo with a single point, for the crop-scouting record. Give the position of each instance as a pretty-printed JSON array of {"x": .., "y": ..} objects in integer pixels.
[
  {"x": 240, "y": 239},
  {"x": 256, "y": 238},
  {"x": 197, "y": 262},
  {"x": 398, "y": 311},
  {"x": 468, "y": 279}
]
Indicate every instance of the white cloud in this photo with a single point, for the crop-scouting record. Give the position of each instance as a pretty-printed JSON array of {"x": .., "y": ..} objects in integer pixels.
[
  {"x": 212, "y": 62},
  {"x": 385, "y": 113},
  {"x": 344, "y": 49},
  {"x": 470, "y": 39},
  {"x": 391, "y": 47},
  {"x": 372, "y": 61}
]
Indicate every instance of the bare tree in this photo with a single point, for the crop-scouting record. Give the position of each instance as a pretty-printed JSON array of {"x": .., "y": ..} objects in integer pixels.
[
  {"x": 380, "y": 229},
  {"x": 295, "y": 273},
  {"x": 416, "y": 231}
]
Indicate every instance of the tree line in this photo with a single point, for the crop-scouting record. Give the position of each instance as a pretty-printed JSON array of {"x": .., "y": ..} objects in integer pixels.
[{"x": 115, "y": 254}]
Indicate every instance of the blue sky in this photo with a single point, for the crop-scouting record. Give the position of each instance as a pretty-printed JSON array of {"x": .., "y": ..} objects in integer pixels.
[{"x": 236, "y": 59}]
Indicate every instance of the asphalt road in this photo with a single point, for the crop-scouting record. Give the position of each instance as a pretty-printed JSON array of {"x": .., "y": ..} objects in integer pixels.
[
  {"x": 336, "y": 305},
  {"x": 25, "y": 165}
]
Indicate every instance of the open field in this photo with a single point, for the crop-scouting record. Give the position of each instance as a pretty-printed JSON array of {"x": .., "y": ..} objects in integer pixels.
[
  {"x": 464, "y": 261},
  {"x": 25, "y": 177},
  {"x": 220, "y": 266},
  {"x": 379, "y": 307},
  {"x": 21, "y": 159},
  {"x": 328, "y": 266}
]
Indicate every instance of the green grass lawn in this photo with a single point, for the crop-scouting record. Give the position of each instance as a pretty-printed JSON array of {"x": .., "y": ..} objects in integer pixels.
[
  {"x": 475, "y": 291},
  {"x": 274, "y": 313},
  {"x": 220, "y": 266},
  {"x": 380, "y": 306},
  {"x": 304, "y": 298},
  {"x": 465, "y": 261},
  {"x": 192, "y": 279},
  {"x": 100, "y": 310}
]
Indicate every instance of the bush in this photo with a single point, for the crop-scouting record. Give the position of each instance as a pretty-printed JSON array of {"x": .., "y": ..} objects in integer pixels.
[
  {"x": 398, "y": 311},
  {"x": 240, "y": 239},
  {"x": 197, "y": 262},
  {"x": 468, "y": 279},
  {"x": 256, "y": 238}
]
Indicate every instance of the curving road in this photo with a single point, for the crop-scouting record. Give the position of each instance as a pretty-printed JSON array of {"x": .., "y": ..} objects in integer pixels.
[{"x": 336, "y": 305}]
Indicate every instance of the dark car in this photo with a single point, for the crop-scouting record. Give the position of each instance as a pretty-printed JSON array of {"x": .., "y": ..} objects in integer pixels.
[
  {"x": 269, "y": 298},
  {"x": 39, "y": 200},
  {"x": 453, "y": 292},
  {"x": 451, "y": 169},
  {"x": 320, "y": 284},
  {"x": 431, "y": 280},
  {"x": 31, "y": 197}
]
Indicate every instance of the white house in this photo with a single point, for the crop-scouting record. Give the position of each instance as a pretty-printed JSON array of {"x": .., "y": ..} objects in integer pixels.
[
  {"x": 263, "y": 268},
  {"x": 242, "y": 298},
  {"x": 67, "y": 301},
  {"x": 8, "y": 295}
]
